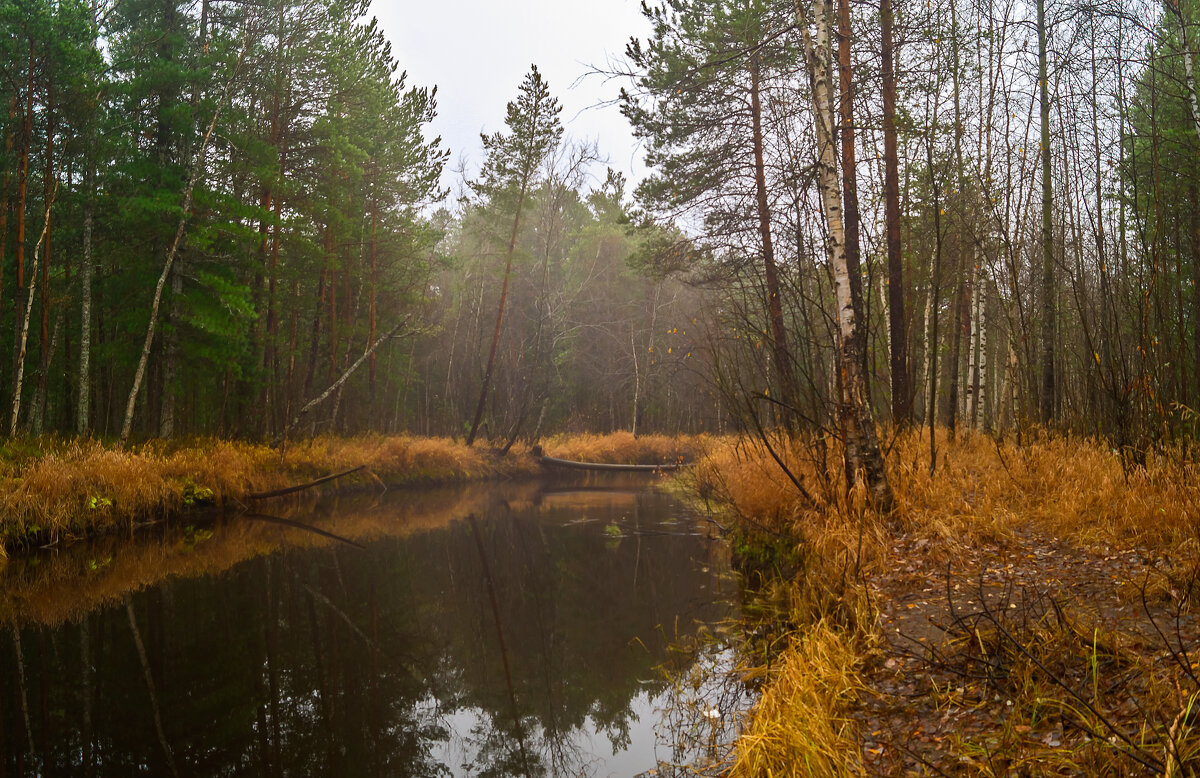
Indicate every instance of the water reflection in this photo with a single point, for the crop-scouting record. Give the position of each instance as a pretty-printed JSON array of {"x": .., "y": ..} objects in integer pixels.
[{"x": 523, "y": 641}]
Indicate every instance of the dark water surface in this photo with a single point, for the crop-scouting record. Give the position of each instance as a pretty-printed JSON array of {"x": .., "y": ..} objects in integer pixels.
[{"x": 525, "y": 640}]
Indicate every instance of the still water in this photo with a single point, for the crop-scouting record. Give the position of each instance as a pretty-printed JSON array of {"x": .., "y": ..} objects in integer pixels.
[{"x": 502, "y": 632}]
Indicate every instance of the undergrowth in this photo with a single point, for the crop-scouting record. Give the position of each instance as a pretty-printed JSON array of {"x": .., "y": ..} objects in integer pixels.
[{"x": 1127, "y": 714}]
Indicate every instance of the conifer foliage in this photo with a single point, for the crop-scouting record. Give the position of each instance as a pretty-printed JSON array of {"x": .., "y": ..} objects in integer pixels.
[{"x": 303, "y": 236}]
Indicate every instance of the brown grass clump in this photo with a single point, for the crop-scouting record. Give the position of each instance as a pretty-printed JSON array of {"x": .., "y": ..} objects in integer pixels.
[
  {"x": 404, "y": 459},
  {"x": 82, "y": 485},
  {"x": 1077, "y": 488},
  {"x": 624, "y": 448},
  {"x": 800, "y": 726},
  {"x": 836, "y": 528},
  {"x": 53, "y": 489}
]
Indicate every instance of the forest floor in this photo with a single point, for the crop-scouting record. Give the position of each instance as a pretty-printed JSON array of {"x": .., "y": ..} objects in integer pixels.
[
  {"x": 1028, "y": 655},
  {"x": 1028, "y": 610}
]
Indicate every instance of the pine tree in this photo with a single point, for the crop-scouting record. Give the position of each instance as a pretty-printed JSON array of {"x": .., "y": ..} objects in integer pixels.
[{"x": 509, "y": 174}]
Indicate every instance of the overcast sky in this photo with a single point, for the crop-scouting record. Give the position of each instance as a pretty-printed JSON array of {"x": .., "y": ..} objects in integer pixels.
[{"x": 477, "y": 52}]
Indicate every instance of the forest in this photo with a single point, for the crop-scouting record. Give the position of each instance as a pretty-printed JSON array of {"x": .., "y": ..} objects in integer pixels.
[
  {"x": 209, "y": 211},
  {"x": 914, "y": 286}
]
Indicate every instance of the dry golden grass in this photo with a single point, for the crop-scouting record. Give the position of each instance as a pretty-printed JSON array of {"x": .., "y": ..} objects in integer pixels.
[
  {"x": 838, "y": 532},
  {"x": 52, "y": 489},
  {"x": 1076, "y": 488},
  {"x": 62, "y": 489},
  {"x": 800, "y": 726},
  {"x": 1072, "y": 488},
  {"x": 624, "y": 448}
]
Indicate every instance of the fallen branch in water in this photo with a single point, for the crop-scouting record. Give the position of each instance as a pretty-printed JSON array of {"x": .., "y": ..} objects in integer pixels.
[{"x": 302, "y": 487}]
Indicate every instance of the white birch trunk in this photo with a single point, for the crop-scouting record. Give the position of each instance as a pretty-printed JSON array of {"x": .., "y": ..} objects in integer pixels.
[
  {"x": 23, "y": 340},
  {"x": 1189, "y": 70},
  {"x": 972, "y": 351},
  {"x": 862, "y": 446},
  {"x": 885, "y": 312},
  {"x": 981, "y": 420},
  {"x": 926, "y": 376}
]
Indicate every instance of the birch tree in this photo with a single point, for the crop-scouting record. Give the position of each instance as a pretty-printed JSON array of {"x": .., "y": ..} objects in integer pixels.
[{"x": 858, "y": 423}]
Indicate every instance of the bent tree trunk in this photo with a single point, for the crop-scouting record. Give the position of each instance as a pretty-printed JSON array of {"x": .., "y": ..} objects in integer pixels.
[
  {"x": 197, "y": 171},
  {"x": 337, "y": 385},
  {"x": 858, "y": 424}
]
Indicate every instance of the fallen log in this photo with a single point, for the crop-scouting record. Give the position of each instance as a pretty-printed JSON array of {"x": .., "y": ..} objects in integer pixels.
[
  {"x": 302, "y": 487},
  {"x": 606, "y": 467}
]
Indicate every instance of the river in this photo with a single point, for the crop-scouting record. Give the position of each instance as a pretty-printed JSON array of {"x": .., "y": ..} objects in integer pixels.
[{"x": 554, "y": 628}]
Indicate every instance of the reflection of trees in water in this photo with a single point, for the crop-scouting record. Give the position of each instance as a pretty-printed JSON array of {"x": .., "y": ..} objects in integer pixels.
[
  {"x": 345, "y": 662},
  {"x": 700, "y": 712}
]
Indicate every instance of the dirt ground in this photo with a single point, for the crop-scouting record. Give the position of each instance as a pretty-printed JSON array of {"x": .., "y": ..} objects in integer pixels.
[{"x": 1025, "y": 655}]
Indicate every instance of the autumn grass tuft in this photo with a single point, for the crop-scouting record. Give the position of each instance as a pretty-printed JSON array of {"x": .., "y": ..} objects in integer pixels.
[
  {"x": 800, "y": 726},
  {"x": 51, "y": 489},
  {"x": 1076, "y": 488},
  {"x": 624, "y": 448}
]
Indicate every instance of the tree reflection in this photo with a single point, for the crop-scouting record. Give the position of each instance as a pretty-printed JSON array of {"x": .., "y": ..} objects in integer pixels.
[{"x": 499, "y": 648}]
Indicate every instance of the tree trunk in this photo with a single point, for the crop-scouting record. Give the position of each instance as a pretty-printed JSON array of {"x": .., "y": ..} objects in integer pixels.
[
  {"x": 22, "y": 201},
  {"x": 858, "y": 424},
  {"x": 39, "y": 406},
  {"x": 336, "y": 386},
  {"x": 38, "y": 415},
  {"x": 83, "y": 408},
  {"x": 973, "y": 353},
  {"x": 197, "y": 171},
  {"x": 491, "y": 363},
  {"x": 930, "y": 345},
  {"x": 170, "y": 366},
  {"x": 979, "y": 420},
  {"x": 23, "y": 333},
  {"x": 8, "y": 147},
  {"x": 1047, "y": 394},
  {"x": 962, "y": 315},
  {"x": 850, "y": 172},
  {"x": 779, "y": 341},
  {"x": 902, "y": 394},
  {"x": 374, "y": 279}
]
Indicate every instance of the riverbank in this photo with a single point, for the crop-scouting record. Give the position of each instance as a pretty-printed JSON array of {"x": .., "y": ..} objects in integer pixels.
[
  {"x": 53, "y": 491},
  {"x": 1028, "y": 609}
]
